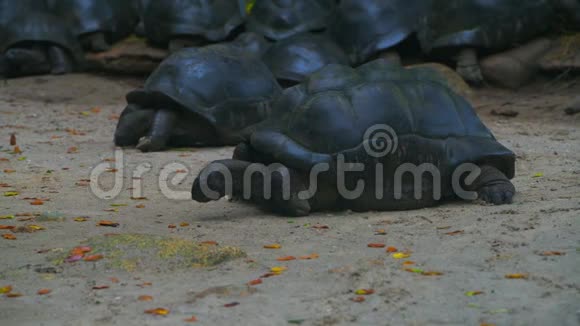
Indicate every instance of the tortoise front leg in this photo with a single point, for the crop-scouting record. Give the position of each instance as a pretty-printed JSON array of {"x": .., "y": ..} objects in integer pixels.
[
  {"x": 468, "y": 67},
  {"x": 61, "y": 62},
  {"x": 493, "y": 186},
  {"x": 275, "y": 186},
  {"x": 134, "y": 123},
  {"x": 26, "y": 61},
  {"x": 95, "y": 42},
  {"x": 161, "y": 129}
]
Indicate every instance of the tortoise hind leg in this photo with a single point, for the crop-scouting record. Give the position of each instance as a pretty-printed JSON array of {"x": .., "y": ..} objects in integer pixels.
[
  {"x": 61, "y": 62},
  {"x": 493, "y": 186},
  {"x": 161, "y": 129},
  {"x": 276, "y": 186},
  {"x": 96, "y": 42},
  {"x": 26, "y": 61},
  {"x": 468, "y": 67}
]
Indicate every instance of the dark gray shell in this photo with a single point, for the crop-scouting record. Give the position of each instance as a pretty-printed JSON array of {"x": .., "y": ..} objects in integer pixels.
[
  {"x": 279, "y": 19},
  {"x": 332, "y": 111},
  {"x": 490, "y": 24},
  {"x": 116, "y": 18},
  {"x": 40, "y": 27},
  {"x": 217, "y": 82},
  {"x": 213, "y": 20},
  {"x": 297, "y": 57},
  {"x": 12, "y": 8},
  {"x": 364, "y": 27}
]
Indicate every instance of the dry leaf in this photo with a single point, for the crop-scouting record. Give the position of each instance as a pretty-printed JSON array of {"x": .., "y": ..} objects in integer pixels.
[
  {"x": 552, "y": 253},
  {"x": 273, "y": 246},
  {"x": 392, "y": 249},
  {"x": 93, "y": 258},
  {"x": 287, "y": 258},
  {"x": 100, "y": 287},
  {"x": 7, "y": 227},
  {"x": 381, "y": 232},
  {"x": 43, "y": 291},
  {"x": 13, "y": 295},
  {"x": 108, "y": 223},
  {"x": 191, "y": 319},
  {"x": 358, "y": 299},
  {"x": 231, "y": 304},
  {"x": 6, "y": 289},
  {"x": 364, "y": 291},
  {"x": 517, "y": 276},
  {"x": 17, "y": 150},
  {"x": 255, "y": 282},
  {"x": 309, "y": 257},
  {"x": 184, "y": 224},
  {"x": 209, "y": 243},
  {"x": 401, "y": 255},
  {"x": 171, "y": 226},
  {"x": 7, "y": 171},
  {"x": 321, "y": 227},
  {"x": 12, "y": 139},
  {"x": 158, "y": 312},
  {"x": 37, "y": 202},
  {"x": 376, "y": 245},
  {"x": 145, "y": 298},
  {"x": 81, "y": 219},
  {"x": 72, "y": 150},
  {"x": 473, "y": 293},
  {"x": 9, "y": 236},
  {"x": 140, "y": 206},
  {"x": 458, "y": 232},
  {"x": 11, "y": 193}
]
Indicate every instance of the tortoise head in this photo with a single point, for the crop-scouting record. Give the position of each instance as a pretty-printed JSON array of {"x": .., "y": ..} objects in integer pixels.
[{"x": 252, "y": 43}]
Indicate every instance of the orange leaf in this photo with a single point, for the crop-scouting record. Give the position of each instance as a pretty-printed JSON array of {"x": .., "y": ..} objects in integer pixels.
[
  {"x": 191, "y": 319},
  {"x": 17, "y": 150},
  {"x": 145, "y": 284},
  {"x": 13, "y": 295},
  {"x": 43, "y": 291},
  {"x": 7, "y": 227},
  {"x": 376, "y": 245},
  {"x": 231, "y": 304},
  {"x": 72, "y": 150},
  {"x": 145, "y": 298},
  {"x": 287, "y": 258},
  {"x": 309, "y": 257},
  {"x": 108, "y": 223},
  {"x": 111, "y": 170},
  {"x": 209, "y": 243},
  {"x": 114, "y": 280},
  {"x": 12, "y": 139},
  {"x": 517, "y": 276},
  {"x": 321, "y": 227},
  {"x": 392, "y": 249},
  {"x": 183, "y": 224},
  {"x": 9, "y": 236},
  {"x": 93, "y": 258},
  {"x": 431, "y": 273},
  {"x": 37, "y": 202},
  {"x": 171, "y": 226},
  {"x": 96, "y": 110},
  {"x": 358, "y": 299},
  {"x": 100, "y": 287},
  {"x": 158, "y": 312},
  {"x": 458, "y": 232},
  {"x": 268, "y": 275},
  {"x": 273, "y": 246},
  {"x": 9, "y": 171},
  {"x": 380, "y": 232},
  {"x": 552, "y": 253},
  {"x": 255, "y": 282},
  {"x": 140, "y": 206},
  {"x": 408, "y": 262}
]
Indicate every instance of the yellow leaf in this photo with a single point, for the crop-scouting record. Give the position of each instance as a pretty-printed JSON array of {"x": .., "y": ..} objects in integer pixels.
[
  {"x": 278, "y": 270},
  {"x": 6, "y": 217},
  {"x": 36, "y": 227},
  {"x": 364, "y": 291},
  {"x": 538, "y": 175},
  {"x": 517, "y": 276},
  {"x": 81, "y": 219},
  {"x": 473, "y": 293},
  {"x": 11, "y": 193},
  {"x": 401, "y": 255},
  {"x": 118, "y": 205},
  {"x": 5, "y": 289},
  {"x": 273, "y": 246},
  {"x": 158, "y": 311},
  {"x": 250, "y": 6}
]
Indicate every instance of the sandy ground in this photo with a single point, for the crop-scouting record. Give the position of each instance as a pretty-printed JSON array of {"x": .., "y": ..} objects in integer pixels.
[{"x": 493, "y": 242}]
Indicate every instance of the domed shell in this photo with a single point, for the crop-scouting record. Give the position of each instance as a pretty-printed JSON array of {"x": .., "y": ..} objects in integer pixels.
[
  {"x": 200, "y": 80},
  {"x": 12, "y": 8},
  {"x": 279, "y": 19},
  {"x": 365, "y": 27},
  {"x": 114, "y": 17},
  {"x": 40, "y": 27},
  {"x": 491, "y": 24},
  {"x": 297, "y": 57},
  {"x": 213, "y": 20},
  {"x": 332, "y": 111}
]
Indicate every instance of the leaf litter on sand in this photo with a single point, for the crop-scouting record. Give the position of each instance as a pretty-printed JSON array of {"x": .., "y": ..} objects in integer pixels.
[{"x": 158, "y": 311}]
